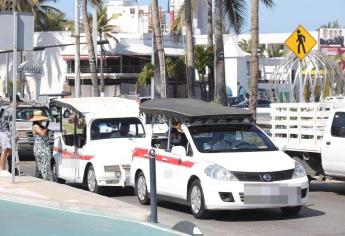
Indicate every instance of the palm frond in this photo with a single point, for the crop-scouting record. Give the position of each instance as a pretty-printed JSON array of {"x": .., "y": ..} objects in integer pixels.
[
  {"x": 235, "y": 14},
  {"x": 268, "y": 3}
]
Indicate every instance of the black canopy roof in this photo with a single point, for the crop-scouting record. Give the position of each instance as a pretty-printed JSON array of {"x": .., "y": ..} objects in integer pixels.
[{"x": 192, "y": 109}]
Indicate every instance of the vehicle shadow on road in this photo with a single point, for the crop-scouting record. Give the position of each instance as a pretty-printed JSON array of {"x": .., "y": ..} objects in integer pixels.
[
  {"x": 117, "y": 191},
  {"x": 245, "y": 215},
  {"x": 263, "y": 215},
  {"x": 336, "y": 187}
]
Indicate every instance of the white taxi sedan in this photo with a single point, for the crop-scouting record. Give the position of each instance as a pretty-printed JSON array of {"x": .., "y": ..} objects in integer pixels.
[{"x": 221, "y": 166}]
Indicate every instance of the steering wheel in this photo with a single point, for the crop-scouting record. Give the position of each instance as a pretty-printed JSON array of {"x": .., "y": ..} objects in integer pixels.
[{"x": 242, "y": 144}]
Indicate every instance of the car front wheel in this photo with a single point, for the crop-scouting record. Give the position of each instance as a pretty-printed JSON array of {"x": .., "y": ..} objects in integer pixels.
[
  {"x": 141, "y": 189},
  {"x": 92, "y": 181},
  {"x": 197, "y": 201}
]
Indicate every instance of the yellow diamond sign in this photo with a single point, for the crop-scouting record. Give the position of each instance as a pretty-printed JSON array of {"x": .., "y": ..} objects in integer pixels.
[{"x": 300, "y": 42}]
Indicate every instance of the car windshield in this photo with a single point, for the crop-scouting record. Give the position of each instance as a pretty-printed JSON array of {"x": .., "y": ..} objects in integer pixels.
[
  {"x": 26, "y": 113},
  {"x": 117, "y": 128},
  {"x": 158, "y": 120},
  {"x": 230, "y": 138}
]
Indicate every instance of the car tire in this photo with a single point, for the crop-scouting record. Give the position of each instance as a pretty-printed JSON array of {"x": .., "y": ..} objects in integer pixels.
[
  {"x": 291, "y": 211},
  {"x": 197, "y": 200},
  {"x": 91, "y": 180},
  {"x": 55, "y": 176},
  {"x": 141, "y": 189},
  {"x": 66, "y": 114}
]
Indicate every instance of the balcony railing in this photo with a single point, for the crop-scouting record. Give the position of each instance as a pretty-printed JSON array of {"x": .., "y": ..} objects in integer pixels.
[{"x": 109, "y": 69}]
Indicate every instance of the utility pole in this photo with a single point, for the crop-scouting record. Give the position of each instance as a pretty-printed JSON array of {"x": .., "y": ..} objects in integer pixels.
[
  {"x": 14, "y": 117},
  {"x": 94, "y": 36},
  {"x": 77, "y": 48}
]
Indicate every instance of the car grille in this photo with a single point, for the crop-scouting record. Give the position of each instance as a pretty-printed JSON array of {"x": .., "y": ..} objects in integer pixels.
[{"x": 259, "y": 176}]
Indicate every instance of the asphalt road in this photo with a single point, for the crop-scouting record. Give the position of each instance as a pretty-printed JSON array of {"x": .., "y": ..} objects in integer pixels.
[{"x": 324, "y": 215}]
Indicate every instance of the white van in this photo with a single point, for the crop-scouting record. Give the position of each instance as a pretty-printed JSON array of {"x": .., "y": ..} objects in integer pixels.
[
  {"x": 94, "y": 145},
  {"x": 221, "y": 161}
]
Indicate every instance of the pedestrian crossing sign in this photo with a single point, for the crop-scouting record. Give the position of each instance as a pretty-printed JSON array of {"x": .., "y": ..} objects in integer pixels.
[{"x": 300, "y": 42}]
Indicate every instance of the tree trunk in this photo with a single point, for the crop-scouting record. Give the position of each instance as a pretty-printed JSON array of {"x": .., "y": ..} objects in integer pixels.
[
  {"x": 175, "y": 87},
  {"x": 254, "y": 73},
  {"x": 91, "y": 52},
  {"x": 189, "y": 49},
  {"x": 209, "y": 24},
  {"x": 210, "y": 76},
  {"x": 158, "y": 44},
  {"x": 102, "y": 74},
  {"x": 220, "y": 89}
]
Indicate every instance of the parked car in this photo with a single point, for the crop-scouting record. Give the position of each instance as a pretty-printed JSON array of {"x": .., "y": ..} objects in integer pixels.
[
  {"x": 95, "y": 144},
  {"x": 260, "y": 103},
  {"x": 24, "y": 125},
  {"x": 49, "y": 100},
  {"x": 222, "y": 162}
]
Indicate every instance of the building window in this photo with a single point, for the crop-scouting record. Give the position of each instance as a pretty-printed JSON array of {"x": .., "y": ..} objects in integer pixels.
[{"x": 132, "y": 10}]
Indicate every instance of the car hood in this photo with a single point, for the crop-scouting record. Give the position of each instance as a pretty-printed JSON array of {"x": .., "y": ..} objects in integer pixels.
[{"x": 266, "y": 161}]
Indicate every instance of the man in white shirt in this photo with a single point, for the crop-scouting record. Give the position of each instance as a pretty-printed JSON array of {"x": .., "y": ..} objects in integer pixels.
[{"x": 6, "y": 134}]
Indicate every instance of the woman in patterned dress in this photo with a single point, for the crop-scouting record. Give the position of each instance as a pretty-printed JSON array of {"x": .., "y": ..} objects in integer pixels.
[{"x": 41, "y": 149}]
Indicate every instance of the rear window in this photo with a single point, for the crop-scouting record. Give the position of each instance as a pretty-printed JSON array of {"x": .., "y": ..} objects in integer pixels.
[
  {"x": 117, "y": 128},
  {"x": 26, "y": 113}
]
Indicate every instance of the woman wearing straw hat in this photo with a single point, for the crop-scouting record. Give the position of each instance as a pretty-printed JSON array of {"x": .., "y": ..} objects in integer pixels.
[{"x": 42, "y": 151}]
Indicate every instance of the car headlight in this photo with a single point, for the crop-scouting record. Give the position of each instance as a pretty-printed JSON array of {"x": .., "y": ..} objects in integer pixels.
[
  {"x": 219, "y": 173},
  {"x": 113, "y": 168},
  {"x": 299, "y": 171}
]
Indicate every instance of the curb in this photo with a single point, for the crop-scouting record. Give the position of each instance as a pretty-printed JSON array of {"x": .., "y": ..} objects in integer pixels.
[{"x": 88, "y": 209}]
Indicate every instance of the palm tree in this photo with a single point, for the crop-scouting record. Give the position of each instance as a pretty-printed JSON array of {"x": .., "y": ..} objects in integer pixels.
[
  {"x": 246, "y": 46},
  {"x": 159, "y": 50},
  {"x": 234, "y": 10},
  {"x": 39, "y": 9},
  {"x": 90, "y": 48},
  {"x": 210, "y": 46},
  {"x": 190, "y": 49},
  {"x": 203, "y": 59},
  {"x": 253, "y": 90},
  {"x": 104, "y": 30},
  {"x": 276, "y": 50}
]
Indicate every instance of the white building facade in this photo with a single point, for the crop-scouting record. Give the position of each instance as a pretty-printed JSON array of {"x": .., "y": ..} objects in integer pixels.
[
  {"x": 123, "y": 62},
  {"x": 128, "y": 16}
]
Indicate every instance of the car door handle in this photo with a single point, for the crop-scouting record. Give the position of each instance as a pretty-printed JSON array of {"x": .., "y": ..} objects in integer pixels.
[
  {"x": 164, "y": 159},
  {"x": 328, "y": 143}
]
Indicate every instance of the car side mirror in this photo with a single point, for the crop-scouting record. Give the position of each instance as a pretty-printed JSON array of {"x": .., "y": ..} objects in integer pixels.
[{"x": 179, "y": 151}]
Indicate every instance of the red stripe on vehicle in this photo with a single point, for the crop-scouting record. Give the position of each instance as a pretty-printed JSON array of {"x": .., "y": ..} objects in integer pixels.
[
  {"x": 142, "y": 153},
  {"x": 71, "y": 155}
]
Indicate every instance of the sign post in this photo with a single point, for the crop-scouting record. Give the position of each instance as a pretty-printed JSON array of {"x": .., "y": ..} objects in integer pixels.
[
  {"x": 19, "y": 36},
  {"x": 300, "y": 42}
]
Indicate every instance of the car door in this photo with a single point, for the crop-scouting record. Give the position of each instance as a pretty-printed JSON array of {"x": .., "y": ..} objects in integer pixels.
[
  {"x": 175, "y": 168},
  {"x": 333, "y": 156},
  {"x": 68, "y": 151}
]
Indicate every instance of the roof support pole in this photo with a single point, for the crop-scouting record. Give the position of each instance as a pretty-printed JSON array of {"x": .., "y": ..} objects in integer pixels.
[{"x": 169, "y": 133}]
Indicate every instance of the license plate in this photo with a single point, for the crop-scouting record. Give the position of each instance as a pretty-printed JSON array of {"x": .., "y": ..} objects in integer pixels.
[{"x": 273, "y": 194}]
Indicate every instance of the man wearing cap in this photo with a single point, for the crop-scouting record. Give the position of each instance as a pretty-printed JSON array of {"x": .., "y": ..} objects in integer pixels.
[{"x": 5, "y": 134}]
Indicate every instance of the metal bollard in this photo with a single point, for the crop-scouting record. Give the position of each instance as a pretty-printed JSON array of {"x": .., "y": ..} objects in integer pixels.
[{"x": 153, "y": 193}]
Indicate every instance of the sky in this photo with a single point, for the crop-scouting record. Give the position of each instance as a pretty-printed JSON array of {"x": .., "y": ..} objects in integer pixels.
[{"x": 284, "y": 17}]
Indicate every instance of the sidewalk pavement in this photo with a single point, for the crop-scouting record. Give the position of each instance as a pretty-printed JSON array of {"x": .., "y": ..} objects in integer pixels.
[{"x": 34, "y": 191}]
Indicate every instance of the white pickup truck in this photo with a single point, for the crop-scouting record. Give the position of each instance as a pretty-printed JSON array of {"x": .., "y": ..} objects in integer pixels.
[{"x": 313, "y": 134}]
